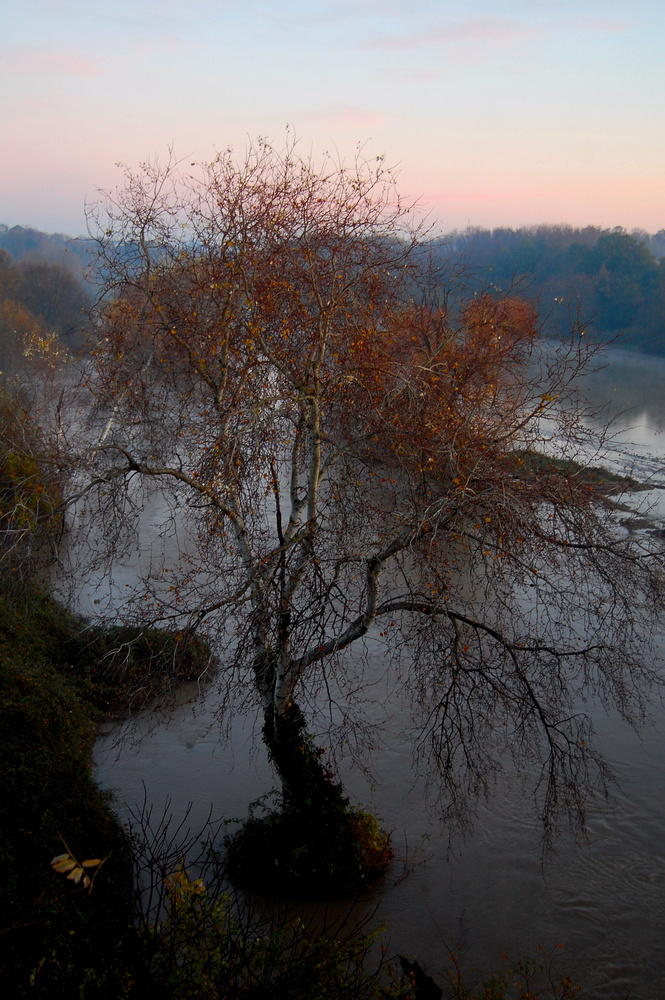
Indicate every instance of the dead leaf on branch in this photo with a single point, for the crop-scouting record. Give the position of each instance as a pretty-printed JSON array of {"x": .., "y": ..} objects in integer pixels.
[{"x": 63, "y": 863}]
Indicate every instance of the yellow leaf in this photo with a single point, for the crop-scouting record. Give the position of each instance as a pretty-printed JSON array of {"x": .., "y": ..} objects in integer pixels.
[
  {"x": 92, "y": 863},
  {"x": 59, "y": 857},
  {"x": 75, "y": 876},
  {"x": 65, "y": 866}
]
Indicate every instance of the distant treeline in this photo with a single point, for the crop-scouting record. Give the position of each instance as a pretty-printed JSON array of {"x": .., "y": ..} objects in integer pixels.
[
  {"x": 42, "y": 292},
  {"x": 613, "y": 280},
  {"x": 49, "y": 248}
]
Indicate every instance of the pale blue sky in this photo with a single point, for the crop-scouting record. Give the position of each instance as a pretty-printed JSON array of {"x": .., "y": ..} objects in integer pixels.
[{"x": 498, "y": 112}]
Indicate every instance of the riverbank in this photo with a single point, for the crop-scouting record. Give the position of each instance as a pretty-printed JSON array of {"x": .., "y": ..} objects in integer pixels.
[
  {"x": 57, "y": 936},
  {"x": 73, "y": 929},
  {"x": 73, "y": 922},
  {"x": 59, "y": 675}
]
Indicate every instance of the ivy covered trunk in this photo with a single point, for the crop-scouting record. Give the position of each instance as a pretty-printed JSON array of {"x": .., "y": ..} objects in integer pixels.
[
  {"x": 311, "y": 840},
  {"x": 306, "y": 784}
]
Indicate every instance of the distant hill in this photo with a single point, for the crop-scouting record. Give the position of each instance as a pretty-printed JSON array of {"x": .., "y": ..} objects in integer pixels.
[{"x": 74, "y": 254}]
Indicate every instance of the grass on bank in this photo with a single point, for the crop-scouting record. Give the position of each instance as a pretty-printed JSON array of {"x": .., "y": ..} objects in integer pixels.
[{"x": 50, "y": 927}]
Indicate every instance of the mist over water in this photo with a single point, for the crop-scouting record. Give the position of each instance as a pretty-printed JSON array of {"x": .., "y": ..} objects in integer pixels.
[{"x": 491, "y": 891}]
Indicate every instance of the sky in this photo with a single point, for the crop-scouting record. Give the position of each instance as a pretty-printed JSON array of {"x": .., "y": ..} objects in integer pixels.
[{"x": 493, "y": 112}]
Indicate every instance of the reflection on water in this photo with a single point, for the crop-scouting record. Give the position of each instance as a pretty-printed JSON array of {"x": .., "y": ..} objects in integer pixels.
[
  {"x": 632, "y": 386},
  {"x": 604, "y": 901},
  {"x": 627, "y": 396}
]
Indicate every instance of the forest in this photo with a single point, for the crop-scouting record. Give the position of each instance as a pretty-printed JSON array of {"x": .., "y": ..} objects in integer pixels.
[
  {"x": 613, "y": 280},
  {"x": 43, "y": 293}
]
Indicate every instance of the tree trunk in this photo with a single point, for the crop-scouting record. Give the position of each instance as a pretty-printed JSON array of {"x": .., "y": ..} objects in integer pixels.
[{"x": 306, "y": 784}]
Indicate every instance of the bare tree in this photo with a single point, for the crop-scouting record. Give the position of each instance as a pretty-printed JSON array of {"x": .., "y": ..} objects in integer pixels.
[{"x": 346, "y": 448}]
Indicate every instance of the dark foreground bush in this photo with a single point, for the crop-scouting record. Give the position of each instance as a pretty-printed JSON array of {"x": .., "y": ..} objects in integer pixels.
[
  {"x": 56, "y": 935},
  {"x": 210, "y": 946},
  {"x": 56, "y": 674},
  {"x": 309, "y": 853}
]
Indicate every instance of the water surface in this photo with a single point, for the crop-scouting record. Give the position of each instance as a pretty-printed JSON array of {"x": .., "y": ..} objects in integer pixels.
[{"x": 491, "y": 891}]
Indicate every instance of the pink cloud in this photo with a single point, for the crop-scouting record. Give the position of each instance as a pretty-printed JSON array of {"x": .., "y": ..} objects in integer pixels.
[
  {"x": 38, "y": 61},
  {"x": 607, "y": 24},
  {"x": 347, "y": 117},
  {"x": 165, "y": 45},
  {"x": 461, "y": 197},
  {"x": 422, "y": 76},
  {"x": 477, "y": 29}
]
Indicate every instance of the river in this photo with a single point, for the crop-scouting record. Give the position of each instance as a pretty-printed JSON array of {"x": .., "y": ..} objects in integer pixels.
[{"x": 490, "y": 891}]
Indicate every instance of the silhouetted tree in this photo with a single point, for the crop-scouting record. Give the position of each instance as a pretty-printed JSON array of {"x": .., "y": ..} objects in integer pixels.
[{"x": 347, "y": 458}]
